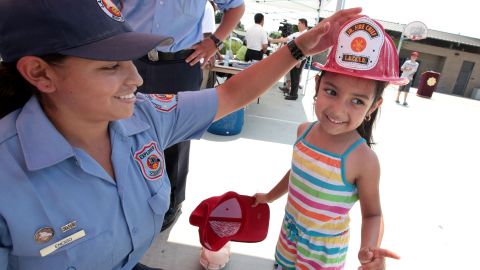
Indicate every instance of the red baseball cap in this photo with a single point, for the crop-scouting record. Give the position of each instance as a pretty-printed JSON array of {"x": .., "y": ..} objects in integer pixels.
[{"x": 230, "y": 217}]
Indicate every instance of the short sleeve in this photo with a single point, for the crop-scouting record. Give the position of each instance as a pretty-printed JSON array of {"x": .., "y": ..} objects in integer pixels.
[
  {"x": 228, "y": 4},
  {"x": 264, "y": 38},
  {"x": 183, "y": 117}
]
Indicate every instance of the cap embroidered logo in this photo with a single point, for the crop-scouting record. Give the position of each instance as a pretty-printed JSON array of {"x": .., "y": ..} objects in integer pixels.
[{"x": 111, "y": 10}]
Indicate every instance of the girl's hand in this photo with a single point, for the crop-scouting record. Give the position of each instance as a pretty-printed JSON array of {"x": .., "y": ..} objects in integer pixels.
[
  {"x": 324, "y": 34},
  {"x": 373, "y": 258},
  {"x": 260, "y": 198}
]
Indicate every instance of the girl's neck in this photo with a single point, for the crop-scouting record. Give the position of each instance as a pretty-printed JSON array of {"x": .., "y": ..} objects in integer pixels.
[{"x": 333, "y": 143}]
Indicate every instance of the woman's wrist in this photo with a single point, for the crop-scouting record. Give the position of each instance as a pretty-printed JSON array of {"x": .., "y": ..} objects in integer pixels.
[{"x": 295, "y": 51}]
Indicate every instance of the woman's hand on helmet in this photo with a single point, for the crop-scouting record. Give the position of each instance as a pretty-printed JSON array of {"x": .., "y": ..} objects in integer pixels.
[{"x": 324, "y": 34}]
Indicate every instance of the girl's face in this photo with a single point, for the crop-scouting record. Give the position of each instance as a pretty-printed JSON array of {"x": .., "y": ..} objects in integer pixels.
[
  {"x": 343, "y": 102},
  {"x": 94, "y": 90}
]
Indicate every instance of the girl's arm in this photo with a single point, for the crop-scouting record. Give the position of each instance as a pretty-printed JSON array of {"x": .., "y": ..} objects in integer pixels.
[
  {"x": 278, "y": 191},
  {"x": 282, "y": 187},
  {"x": 241, "y": 89},
  {"x": 371, "y": 256}
]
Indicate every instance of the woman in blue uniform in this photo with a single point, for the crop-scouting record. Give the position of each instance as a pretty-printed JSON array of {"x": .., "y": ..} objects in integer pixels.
[{"x": 82, "y": 177}]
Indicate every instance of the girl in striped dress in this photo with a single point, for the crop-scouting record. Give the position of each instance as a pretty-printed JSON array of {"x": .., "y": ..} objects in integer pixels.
[{"x": 333, "y": 165}]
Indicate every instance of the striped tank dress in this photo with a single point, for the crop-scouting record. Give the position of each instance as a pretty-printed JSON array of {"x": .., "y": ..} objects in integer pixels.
[{"x": 315, "y": 229}]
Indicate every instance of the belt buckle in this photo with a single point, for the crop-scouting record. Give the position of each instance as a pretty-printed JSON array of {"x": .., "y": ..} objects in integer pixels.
[{"x": 153, "y": 55}]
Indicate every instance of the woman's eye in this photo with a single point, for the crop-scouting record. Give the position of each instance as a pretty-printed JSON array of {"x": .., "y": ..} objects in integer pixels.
[
  {"x": 357, "y": 101},
  {"x": 330, "y": 92},
  {"x": 111, "y": 67}
]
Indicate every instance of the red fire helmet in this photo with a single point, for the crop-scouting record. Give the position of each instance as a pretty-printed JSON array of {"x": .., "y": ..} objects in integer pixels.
[{"x": 364, "y": 50}]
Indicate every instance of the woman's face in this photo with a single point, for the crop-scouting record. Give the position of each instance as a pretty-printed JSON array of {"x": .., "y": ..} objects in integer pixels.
[
  {"x": 94, "y": 90},
  {"x": 343, "y": 102}
]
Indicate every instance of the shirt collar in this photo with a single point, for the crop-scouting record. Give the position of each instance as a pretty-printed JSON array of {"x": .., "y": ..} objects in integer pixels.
[
  {"x": 130, "y": 126},
  {"x": 44, "y": 146}
]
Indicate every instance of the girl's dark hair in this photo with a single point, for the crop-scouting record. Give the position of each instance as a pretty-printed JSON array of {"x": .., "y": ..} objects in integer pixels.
[
  {"x": 366, "y": 128},
  {"x": 15, "y": 91}
]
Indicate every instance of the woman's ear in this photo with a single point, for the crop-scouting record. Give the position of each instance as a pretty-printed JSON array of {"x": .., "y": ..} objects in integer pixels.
[{"x": 37, "y": 72}]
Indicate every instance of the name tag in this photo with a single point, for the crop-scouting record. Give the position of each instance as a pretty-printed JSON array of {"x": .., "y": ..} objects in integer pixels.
[{"x": 65, "y": 241}]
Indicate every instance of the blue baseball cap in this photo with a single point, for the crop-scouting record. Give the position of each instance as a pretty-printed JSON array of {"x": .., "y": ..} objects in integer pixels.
[{"x": 91, "y": 29}]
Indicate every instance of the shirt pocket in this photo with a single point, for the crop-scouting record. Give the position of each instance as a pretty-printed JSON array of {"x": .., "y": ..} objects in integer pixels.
[
  {"x": 159, "y": 204},
  {"x": 89, "y": 253}
]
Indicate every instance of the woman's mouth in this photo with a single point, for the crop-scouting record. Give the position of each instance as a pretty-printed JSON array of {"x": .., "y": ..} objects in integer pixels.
[{"x": 128, "y": 97}]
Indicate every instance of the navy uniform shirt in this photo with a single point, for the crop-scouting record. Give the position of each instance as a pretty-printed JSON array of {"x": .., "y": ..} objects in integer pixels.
[
  {"x": 59, "y": 209},
  {"x": 180, "y": 19}
]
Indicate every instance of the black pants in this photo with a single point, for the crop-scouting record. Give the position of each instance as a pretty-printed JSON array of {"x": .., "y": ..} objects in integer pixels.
[
  {"x": 295, "y": 75},
  {"x": 140, "y": 266},
  {"x": 253, "y": 55},
  {"x": 170, "y": 77}
]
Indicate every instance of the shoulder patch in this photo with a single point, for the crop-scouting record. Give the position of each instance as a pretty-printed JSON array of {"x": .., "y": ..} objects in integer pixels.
[
  {"x": 151, "y": 161},
  {"x": 163, "y": 102}
]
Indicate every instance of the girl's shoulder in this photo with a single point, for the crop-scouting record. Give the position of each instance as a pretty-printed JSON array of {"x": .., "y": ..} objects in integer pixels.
[
  {"x": 363, "y": 162},
  {"x": 302, "y": 128}
]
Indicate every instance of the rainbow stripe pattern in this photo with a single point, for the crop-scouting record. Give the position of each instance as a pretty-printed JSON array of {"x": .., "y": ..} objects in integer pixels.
[{"x": 315, "y": 229}]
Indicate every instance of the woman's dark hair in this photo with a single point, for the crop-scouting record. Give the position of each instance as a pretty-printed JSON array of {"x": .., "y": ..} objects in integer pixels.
[
  {"x": 366, "y": 128},
  {"x": 15, "y": 91}
]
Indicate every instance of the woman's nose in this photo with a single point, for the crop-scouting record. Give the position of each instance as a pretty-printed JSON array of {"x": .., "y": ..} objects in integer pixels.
[{"x": 134, "y": 76}]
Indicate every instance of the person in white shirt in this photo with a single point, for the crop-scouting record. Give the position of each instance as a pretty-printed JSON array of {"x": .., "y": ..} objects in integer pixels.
[
  {"x": 295, "y": 72},
  {"x": 208, "y": 21},
  {"x": 208, "y": 28},
  {"x": 408, "y": 71},
  {"x": 256, "y": 39}
]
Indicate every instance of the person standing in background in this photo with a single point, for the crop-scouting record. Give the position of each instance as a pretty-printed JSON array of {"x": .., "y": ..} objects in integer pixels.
[
  {"x": 408, "y": 71},
  {"x": 256, "y": 38},
  {"x": 295, "y": 72},
  {"x": 174, "y": 68}
]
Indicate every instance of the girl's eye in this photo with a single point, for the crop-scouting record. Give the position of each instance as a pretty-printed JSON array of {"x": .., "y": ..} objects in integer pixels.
[
  {"x": 330, "y": 92},
  {"x": 357, "y": 101}
]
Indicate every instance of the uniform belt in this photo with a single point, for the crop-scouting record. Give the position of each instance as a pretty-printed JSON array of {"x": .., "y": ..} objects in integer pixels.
[{"x": 155, "y": 55}]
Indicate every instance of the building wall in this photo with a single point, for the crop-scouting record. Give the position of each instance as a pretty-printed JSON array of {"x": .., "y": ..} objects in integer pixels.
[{"x": 445, "y": 61}]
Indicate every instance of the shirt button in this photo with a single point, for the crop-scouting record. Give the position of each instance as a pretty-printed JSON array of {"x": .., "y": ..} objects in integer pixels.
[
  {"x": 71, "y": 268},
  {"x": 161, "y": 2},
  {"x": 134, "y": 230}
]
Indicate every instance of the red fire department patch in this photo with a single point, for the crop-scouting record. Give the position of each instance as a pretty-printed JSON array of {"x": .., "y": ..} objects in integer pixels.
[{"x": 163, "y": 103}]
